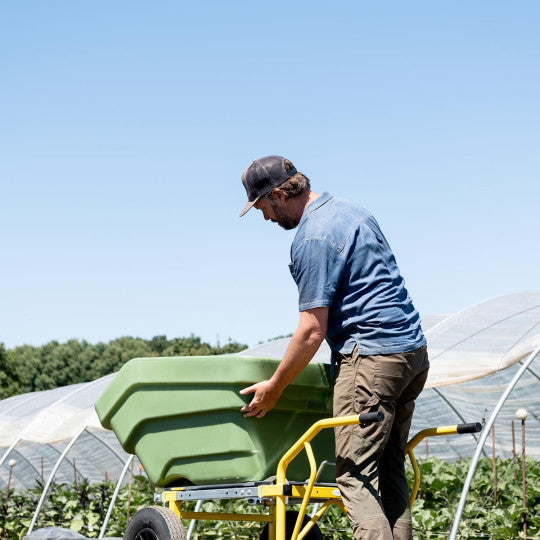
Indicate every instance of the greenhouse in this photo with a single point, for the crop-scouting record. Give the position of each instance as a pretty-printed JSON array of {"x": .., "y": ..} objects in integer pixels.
[{"x": 485, "y": 365}]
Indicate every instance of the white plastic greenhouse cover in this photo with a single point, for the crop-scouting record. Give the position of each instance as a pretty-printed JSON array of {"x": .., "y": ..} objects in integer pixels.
[{"x": 473, "y": 354}]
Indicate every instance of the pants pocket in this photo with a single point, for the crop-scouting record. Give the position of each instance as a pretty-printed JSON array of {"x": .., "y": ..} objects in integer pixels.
[
  {"x": 373, "y": 404},
  {"x": 391, "y": 377}
]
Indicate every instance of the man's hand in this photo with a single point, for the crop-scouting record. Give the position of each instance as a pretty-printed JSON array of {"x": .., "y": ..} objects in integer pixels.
[
  {"x": 266, "y": 396},
  {"x": 303, "y": 345}
]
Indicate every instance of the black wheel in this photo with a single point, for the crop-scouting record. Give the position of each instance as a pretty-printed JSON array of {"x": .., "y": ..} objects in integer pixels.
[
  {"x": 155, "y": 523},
  {"x": 290, "y": 521}
]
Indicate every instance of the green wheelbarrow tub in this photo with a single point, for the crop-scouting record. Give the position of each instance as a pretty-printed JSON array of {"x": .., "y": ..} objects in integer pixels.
[{"x": 181, "y": 417}]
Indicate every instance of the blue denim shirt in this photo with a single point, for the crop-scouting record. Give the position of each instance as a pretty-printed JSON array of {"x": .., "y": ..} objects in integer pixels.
[{"x": 340, "y": 259}]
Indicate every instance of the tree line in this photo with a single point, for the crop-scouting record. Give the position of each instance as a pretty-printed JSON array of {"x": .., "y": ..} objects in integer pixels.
[{"x": 28, "y": 368}]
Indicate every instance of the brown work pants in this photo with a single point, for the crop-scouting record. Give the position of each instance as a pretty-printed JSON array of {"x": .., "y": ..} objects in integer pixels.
[{"x": 370, "y": 461}]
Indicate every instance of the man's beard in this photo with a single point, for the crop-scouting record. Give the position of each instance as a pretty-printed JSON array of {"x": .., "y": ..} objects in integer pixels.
[{"x": 283, "y": 220}]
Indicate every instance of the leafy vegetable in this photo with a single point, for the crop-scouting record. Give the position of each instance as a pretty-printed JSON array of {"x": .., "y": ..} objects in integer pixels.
[{"x": 82, "y": 507}]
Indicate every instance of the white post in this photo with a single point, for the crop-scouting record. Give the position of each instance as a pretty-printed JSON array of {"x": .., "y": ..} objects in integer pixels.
[
  {"x": 193, "y": 523},
  {"x": 485, "y": 432},
  {"x": 51, "y": 477},
  {"x": 115, "y": 495},
  {"x": 8, "y": 451}
]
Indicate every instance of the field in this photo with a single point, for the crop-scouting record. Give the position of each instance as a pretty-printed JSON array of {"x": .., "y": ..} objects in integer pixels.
[{"x": 82, "y": 507}]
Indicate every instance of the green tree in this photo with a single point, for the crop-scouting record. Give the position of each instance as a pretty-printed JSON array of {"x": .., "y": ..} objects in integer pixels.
[
  {"x": 10, "y": 378},
  {"x": 28, "y": 369}
]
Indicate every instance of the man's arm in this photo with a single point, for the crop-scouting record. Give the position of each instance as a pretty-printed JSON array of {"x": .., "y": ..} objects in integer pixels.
[{"x": 303, "y": 345}]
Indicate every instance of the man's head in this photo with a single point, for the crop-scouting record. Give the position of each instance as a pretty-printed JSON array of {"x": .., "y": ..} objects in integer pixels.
[{"x": 274, "y": 186}]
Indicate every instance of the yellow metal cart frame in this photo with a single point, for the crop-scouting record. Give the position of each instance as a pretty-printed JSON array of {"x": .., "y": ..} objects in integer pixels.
[{"x": 278, "y": 494}]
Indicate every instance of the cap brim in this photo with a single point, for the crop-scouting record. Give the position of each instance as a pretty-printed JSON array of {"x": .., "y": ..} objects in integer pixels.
[{"x": 248, "y": 206}]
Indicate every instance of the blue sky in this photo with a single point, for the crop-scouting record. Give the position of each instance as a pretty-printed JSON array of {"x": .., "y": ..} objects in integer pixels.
[{"x": 126, "y": 125}]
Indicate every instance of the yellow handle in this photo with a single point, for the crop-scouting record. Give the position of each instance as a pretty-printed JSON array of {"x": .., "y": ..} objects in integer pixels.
[{"x": 474, "y": 427}]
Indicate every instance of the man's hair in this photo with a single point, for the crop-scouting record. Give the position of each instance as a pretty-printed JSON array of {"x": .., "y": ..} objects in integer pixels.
[{"x": 295, "y": 186}]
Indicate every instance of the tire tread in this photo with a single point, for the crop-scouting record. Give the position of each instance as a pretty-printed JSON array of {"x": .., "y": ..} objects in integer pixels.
[{"x": 171, "y": 521}]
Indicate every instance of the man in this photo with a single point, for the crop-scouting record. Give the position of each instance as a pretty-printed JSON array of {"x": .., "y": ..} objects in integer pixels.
[{"x": 351, "y": 292}]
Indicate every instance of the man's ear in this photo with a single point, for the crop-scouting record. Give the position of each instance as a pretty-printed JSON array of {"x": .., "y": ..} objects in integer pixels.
[{"x": 279, "y": 195}]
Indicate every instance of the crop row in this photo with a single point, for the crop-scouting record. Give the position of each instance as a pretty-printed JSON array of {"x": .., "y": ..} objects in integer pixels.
[{"x": 82, "y": 507}]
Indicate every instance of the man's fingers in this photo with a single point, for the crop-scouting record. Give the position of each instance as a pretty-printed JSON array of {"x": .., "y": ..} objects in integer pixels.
[
  {"x": 261, "y": 403},
  {"x": 247, "y": 408},
  {"x": 250, "y": 407},
  {"x": 258, "y": 413},
  {"x": 248, "y": 390},
  {"x": 255, "y": 414}
]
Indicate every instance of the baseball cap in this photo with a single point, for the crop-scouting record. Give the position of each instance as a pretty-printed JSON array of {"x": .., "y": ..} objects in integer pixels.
[{"x": 262, "y": 176}]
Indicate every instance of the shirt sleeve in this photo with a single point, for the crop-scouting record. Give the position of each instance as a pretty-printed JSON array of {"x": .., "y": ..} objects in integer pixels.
[{"x": 317, "y": 269}]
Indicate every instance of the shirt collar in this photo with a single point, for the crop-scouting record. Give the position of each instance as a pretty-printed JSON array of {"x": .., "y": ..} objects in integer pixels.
[{"x": 316, "y": 204}]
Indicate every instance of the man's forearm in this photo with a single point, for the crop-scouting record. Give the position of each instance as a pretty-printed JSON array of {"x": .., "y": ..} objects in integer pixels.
[{"x": 303, "y": 345}]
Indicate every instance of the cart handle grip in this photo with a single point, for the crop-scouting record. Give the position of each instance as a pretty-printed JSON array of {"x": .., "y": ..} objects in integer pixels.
[
  {"x": 368, "y": 418},
  {"x": 473, "y": 427}
]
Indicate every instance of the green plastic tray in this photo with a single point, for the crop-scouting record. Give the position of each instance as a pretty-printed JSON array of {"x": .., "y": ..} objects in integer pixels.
[{"x": 181, "y": 417}]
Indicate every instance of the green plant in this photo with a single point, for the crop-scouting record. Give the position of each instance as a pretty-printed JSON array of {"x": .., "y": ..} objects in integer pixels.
[{"x": 82, "y": 507}]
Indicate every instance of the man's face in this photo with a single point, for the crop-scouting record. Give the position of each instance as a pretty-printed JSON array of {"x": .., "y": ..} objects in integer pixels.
[{"x": 275, "y": 211}]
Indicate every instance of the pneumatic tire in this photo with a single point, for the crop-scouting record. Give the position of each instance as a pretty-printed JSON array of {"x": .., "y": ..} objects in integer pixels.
[{"x": 155, "y": 523}]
